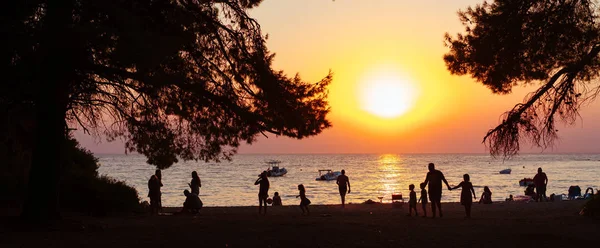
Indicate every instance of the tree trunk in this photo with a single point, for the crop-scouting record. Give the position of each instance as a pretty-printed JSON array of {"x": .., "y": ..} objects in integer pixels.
[
  {"x": 54, "y": 74},
  {"x": 43, "y": 188}
]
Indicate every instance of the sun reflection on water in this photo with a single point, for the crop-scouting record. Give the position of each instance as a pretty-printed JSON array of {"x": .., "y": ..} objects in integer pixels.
[{"x": 393, "y": 169}]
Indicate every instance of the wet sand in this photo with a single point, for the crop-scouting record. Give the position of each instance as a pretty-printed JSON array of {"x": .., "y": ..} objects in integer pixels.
[{"x": 506, "y": 224}]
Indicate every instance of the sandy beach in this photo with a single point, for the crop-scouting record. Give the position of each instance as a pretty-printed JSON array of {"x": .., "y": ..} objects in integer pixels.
[{"x": 504, "y": 224}]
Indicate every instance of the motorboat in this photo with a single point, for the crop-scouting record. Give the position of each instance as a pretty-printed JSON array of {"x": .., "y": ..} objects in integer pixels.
[
  {"x": 506, "y": 171},
  {"x": 328, "y": 175},
  {"x": 274, "y": 170},
  {"x": 525, "y": 182}
]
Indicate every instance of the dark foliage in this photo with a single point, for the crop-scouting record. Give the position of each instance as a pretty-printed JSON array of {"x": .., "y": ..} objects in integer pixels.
[
  {"x": 83, "y": 190},
  {"x": 98, "y": 196},
  {"x": 189, "y": 79},
  {"x": 174, "y": 78},
  {"x": 510, "y": 42}
]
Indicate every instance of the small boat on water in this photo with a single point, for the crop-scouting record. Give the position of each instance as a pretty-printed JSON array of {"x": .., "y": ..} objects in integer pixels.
[
  {"x": 525, "y": 182},
  {"x": 328, "y": 175},
  {"x": 506, "y": 171},
  {"x": 274, "y": 170}
]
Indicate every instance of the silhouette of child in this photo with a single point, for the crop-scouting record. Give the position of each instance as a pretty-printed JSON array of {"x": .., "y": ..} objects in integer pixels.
[
  {"x": 510, "y": 198},
  {"x": 529, "y": 191},
  {"x": 423, "y": 199},
  {"x": 304, "y": 202},
  {"x": 465, "y": 194},
  {"x": 486, "y": 196},
  {"x": 277, "y": 199},
  {"x": 412, "y": 201}
]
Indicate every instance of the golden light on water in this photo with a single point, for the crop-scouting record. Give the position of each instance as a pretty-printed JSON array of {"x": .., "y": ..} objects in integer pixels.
[
  {"x": 391, "y": 164},
  {"x": 388, "y": 160}
]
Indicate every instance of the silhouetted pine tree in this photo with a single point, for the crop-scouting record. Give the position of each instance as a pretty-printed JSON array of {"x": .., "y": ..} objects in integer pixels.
[
  {"x": 554, "y": 43},
  {"x": 188, "y": 79}
]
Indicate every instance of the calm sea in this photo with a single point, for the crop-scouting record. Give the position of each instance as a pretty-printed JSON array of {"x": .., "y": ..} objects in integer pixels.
[{"x": 371, "y": 176}]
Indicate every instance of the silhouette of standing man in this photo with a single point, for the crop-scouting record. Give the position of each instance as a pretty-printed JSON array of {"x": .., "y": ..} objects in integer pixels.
[
  {"x": 434, "y": 179},
  {"x": 342, "y": 182},
  {"x": 263, "y": 191},
  {"x": 540, "y": 180}
]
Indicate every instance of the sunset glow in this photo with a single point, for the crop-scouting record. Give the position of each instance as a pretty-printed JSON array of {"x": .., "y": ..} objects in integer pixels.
[
  {"x": 387, "y": 95},
  {"x": 391, "y": 91}
]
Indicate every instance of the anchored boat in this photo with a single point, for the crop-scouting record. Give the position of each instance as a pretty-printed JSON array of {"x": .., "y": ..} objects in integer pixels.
[
  {"x": 328, "y": 175},
  {"x": 274, "y": 170}
]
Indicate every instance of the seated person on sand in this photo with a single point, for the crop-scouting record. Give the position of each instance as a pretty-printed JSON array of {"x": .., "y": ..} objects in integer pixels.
[
  {"x": 510, "y": 198},
  {"x": 277, "y": 199},
  {"x": 530, "y": 190},
  {"x": 486, "y": 196},
  {"x": 192, "y": 203}
]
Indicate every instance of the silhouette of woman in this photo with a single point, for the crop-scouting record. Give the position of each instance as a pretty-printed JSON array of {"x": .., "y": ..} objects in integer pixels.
[
  {"x": 465, "y": 194},
  {"x": 486, "y": 196},
  {"x": 195, "y": 184}
]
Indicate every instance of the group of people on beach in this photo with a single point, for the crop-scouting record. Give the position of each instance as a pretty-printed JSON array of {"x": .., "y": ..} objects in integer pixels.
[
  {"x": 342, "y": 181},
  {"x": 433, "y": 194},
  {"x": 540, "y": 181},
  {"x": 434, "y": 179},
  {"x": 192, "y": 203}
]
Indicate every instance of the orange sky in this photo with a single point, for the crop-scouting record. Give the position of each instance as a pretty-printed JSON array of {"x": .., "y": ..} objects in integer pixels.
[{"x": 362, "y": 40}]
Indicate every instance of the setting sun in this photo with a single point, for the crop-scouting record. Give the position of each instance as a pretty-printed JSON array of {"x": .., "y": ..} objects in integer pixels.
[{"x": 387, "y": 95}]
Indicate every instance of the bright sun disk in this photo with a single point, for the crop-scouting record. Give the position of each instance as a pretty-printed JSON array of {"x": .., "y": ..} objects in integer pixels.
[{"x": 387, "y": 96}]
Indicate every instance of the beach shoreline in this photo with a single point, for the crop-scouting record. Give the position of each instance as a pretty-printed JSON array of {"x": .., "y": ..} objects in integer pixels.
[{"x": 515, "y": 224}]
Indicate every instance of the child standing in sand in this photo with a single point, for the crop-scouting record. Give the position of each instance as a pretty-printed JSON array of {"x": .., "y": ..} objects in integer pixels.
[
  {"x": 304, "y": 202},
  {"x": 465, "y": 194},
  {"x": 412, "y": 202},
  {"x": 423, "y": 199}
]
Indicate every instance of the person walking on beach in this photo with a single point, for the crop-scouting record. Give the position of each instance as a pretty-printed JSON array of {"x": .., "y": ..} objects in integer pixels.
[
  {"x": 434, "y": 179},
  {"x": 465, "y": 194},
  {"x": 412, "y": 200},
  {"x": 343, "y": 183},
  {"x": 154, "y": 194},
  {"x": 158, "y": 174},
  {"x": 263, "y": 192},
  {"x": 195, "y": 184},
  {"x": 423, "y": 199},
  {"x": 540, "y": 180},
  {"x": 304, "y": 202}
]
